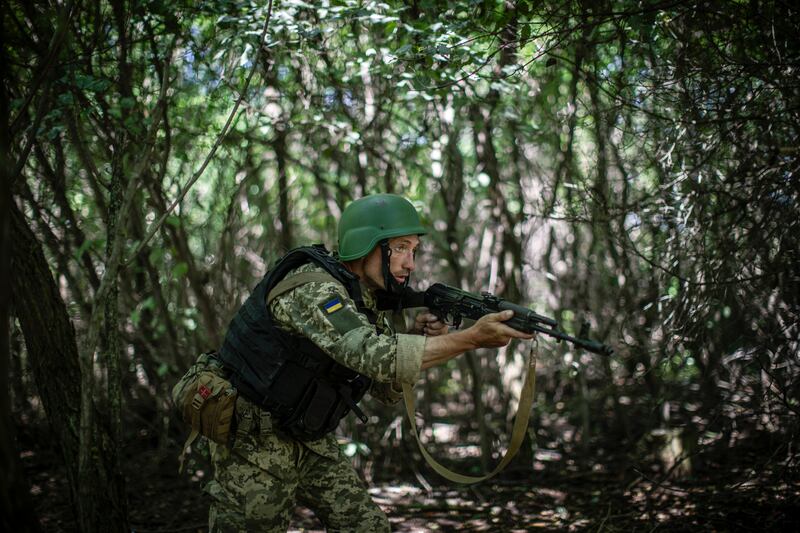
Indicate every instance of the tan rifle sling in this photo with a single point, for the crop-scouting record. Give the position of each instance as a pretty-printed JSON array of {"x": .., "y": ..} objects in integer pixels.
[
  {"x": 517, "y": 433},
  {"x": 520, "y": 421}
]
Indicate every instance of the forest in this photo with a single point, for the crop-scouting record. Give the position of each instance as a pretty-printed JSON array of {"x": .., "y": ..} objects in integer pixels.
[{"x": 630, "y": 166}]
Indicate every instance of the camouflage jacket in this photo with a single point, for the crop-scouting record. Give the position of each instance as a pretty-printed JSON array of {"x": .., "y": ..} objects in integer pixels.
[{"x": 324, "y": 313}]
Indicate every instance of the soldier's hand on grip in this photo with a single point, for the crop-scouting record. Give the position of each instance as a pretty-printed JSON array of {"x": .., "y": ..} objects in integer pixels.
[{"x": 429, "y": 325}]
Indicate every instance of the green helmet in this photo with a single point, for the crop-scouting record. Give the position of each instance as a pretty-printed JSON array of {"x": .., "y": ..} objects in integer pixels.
[{"x": 367, "y": 221}]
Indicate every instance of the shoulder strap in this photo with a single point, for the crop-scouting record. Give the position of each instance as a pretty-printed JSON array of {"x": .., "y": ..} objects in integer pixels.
[
  {"x": 517, "y": 433},
  {"x": 335, "y": 271},
  {"x": 292, "y": 282}
]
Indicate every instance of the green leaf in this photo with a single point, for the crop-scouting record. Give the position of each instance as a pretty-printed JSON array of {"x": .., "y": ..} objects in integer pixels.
[
  {"x": 156, "y": 255},
  {"x": 525, "y": 34},
  {"x": 66, "y": 99},
  {"x": 54, "y": 132},
  {"x": 91, "y": 84},
  {"x": 134, "y": 125},
  {"x": 180, "y": 270},
  {"x": 115, "y": 111},
  {"x": 136, "y": 316},
  {"x": 673, "y": 288}
]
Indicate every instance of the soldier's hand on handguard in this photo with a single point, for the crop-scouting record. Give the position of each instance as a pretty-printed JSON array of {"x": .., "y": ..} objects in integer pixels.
[
  {"x": 488, "y": 332},
  {"x": 491, "y": 332},
  {"x": 429, "y": 325}
]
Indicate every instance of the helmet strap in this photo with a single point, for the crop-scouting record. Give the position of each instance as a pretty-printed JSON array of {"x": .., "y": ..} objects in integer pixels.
[{"x": 391, "y": 284}]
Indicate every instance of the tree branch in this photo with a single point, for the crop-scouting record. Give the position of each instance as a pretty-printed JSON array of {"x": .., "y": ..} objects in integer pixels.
[{"x": 220, "y": 138}]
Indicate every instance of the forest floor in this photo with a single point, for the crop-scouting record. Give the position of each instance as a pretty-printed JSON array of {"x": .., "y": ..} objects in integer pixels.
[{"x": 752, "y": 491}]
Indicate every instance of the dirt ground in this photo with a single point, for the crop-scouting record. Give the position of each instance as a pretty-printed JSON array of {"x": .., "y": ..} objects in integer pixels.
[{"x": 755, "y": 492}]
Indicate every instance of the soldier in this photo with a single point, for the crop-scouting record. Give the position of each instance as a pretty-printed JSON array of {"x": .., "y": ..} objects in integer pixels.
[{"x": 303, "y": 350}]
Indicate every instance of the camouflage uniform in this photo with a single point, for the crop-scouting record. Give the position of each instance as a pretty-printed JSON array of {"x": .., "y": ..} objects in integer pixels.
[{"x": 258, "y": 481}]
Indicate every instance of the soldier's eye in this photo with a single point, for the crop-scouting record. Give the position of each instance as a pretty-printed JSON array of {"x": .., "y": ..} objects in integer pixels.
[{"x": 402, "y": 249}]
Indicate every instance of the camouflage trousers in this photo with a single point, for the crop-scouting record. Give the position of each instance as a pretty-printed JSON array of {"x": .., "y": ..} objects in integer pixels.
[{"x": 258, "y": 482}]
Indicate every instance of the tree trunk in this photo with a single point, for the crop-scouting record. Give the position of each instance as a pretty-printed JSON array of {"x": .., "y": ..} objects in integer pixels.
[
  {"x": 480, "y": 410},
  {"x": 52, "y": 348},
  {"x": 284, "y": 211},
  {"x": 16, "y": 508}
]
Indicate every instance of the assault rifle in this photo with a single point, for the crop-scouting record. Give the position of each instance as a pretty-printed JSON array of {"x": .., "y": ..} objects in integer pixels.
[{"x": 452, "y": 305}]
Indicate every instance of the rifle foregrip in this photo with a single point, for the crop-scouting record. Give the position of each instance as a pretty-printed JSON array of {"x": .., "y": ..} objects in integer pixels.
[
  {"x": 519, "y": 324},
  {"x": 525, "y": 315}
]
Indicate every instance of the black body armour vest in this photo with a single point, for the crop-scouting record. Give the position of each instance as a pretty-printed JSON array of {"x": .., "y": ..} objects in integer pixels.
[{"x": 305, "y": 390}]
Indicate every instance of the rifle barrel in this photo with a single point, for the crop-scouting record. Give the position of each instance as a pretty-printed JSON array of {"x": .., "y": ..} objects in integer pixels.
[{"x": 588, "y": 345}]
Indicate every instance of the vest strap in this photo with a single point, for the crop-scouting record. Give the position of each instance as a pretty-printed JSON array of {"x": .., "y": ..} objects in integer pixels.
[
  {"x": 182, "y": 457},
  {"x": 292, "y": 282},
  {"x": 517, "y": 433}
]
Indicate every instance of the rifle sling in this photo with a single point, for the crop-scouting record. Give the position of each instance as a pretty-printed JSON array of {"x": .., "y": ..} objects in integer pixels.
[
  {"x": 517, "y": 433},
  {"x": 520, "y": 420},
  {"x": 292, "y": 282}
]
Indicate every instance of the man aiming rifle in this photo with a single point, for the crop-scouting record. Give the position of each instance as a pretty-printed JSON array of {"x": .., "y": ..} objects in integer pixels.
[{"x": 302, "y": 351}]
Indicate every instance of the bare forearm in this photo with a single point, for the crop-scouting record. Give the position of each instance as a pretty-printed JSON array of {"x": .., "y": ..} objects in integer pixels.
[
  {"x": 439, "y": 350},
  {"x": 487, "y": 332}
]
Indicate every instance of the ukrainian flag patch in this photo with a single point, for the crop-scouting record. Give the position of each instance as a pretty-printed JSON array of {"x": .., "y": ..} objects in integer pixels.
[
  {"x": 332, "y": 306},
  {"x": 342, "y": 317}
]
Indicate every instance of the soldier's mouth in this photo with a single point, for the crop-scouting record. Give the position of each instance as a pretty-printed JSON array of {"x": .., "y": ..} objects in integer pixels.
[{"x": 400, "y": 279}]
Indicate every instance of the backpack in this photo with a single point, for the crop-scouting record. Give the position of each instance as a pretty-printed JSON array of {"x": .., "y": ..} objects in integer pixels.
[{"x": 206, "y": 400}]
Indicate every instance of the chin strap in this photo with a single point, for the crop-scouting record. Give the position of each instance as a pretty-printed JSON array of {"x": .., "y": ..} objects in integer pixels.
[{"x": 392, "y": 287}]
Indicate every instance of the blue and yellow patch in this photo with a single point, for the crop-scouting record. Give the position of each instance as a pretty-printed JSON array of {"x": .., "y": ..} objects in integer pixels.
[
  {"x": 342, "y": 317},
  {"x": 332, "y": 306}
]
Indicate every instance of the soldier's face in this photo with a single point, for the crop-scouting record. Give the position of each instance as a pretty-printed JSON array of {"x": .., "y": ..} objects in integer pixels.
[{"x": 401, "y": 261}]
